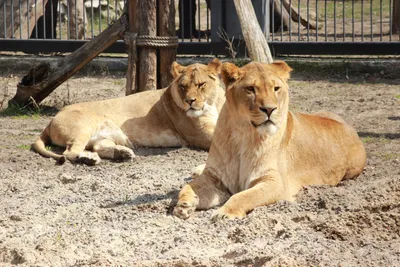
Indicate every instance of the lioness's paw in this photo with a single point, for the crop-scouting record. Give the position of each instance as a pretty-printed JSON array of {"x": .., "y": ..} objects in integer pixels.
[
  {"x": 226, "y": 213},
  {"x": 89, "y": 158},
  {"x": 197, "y": 171},
  {"x": 184, "y": 209},
  {"x": 123, "y": 153}
]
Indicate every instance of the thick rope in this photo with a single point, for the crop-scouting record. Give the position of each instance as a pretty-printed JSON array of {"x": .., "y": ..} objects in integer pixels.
[{"x": 153, "y": 41}]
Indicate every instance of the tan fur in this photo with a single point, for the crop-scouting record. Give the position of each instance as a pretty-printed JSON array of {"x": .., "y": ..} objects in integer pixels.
[
  {"x": 184, "y": 114},
  {"x": 253, "y": 161}
]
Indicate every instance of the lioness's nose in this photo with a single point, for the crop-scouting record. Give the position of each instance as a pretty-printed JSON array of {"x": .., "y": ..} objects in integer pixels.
[
  {"x": 267, "y": 110},
  {"x": 190, "y": 100}
]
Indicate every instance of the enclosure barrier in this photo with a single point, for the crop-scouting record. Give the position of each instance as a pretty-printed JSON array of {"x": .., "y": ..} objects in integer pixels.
[{"x": 211, "y": 27}]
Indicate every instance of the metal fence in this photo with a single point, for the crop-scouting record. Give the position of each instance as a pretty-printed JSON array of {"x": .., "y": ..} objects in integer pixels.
[{"x": 211, "y": 26}]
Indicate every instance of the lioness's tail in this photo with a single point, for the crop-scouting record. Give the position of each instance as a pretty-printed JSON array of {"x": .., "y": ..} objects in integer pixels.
[{"x": 40, "y": 147}]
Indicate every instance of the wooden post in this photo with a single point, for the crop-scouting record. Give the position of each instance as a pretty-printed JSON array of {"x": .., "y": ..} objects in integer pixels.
[
  {"x": 166, "y": 27},
  {"x": 44, "y": 78},
  {"x": 131, "y": 73},
  {"x": 148, "y": 55},
  {"x": 396, "y": 17},
  {"x": 252, "y": 33}
]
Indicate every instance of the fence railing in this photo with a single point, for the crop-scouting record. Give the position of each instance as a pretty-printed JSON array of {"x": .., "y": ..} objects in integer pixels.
[{"x": 211, "y": 27}]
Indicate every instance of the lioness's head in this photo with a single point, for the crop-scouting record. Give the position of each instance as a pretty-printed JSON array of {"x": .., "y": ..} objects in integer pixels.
[
  {"x": 195, "y": 87},
  {"x": 258, "y": 94}
]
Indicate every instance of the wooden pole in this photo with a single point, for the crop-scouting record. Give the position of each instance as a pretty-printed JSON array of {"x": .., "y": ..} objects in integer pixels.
[
  {"x": 252, "y": 33},
  {"x": 148, "y": 55},
  {"x": 166, "y": 27},
  {"x": 131, "y": 73},
  {"x": 44, "y": 78}
]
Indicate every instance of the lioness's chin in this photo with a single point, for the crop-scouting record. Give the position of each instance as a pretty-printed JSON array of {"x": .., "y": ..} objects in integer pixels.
[
  {"x": 194, "y": 113},
  {"x": 268, "y": 127}
]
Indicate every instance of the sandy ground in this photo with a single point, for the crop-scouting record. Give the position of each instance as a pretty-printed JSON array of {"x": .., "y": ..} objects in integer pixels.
[{"x": 116, "y": 214}]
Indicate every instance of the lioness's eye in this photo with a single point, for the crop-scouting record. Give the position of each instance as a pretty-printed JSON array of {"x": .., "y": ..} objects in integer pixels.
[
  {"x": 250, "y": 89},
  {"x": 276, "y": 88},
  {"x": 182, "y": 87},
  {"x": 201, "y": 84}
]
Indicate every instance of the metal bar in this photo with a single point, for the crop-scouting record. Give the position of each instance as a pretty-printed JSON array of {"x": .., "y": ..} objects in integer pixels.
[
  {"x": 308, "y": 19},
  {"x": 217, "y": 48},
  {"x": 298, "y": 23},
  {"x": 20, "y": 20},
  {"x": 68, "y": 28},
  {"x": 352, "y": 20},
  {"x": 381, "y": 20},
  {"x": 344, "y": 27},
  {"x": 362, "y": 20},
  {"x": 108, "y": 12},
  {"x": 272, "y": 19},
  {"x": 44, "y": 20},
  {"x": 334, "y": 20},
  {"x": 12, "y": 17},
  {"x": 370, "y": 14},
  {"x": 4, "y": 21},
  {"x": 316, "y": 20},
  {"x": 59, "y": 19},
  {"x": 36, "y": 28},
  {"x": 190, "y": 20},
  {"x": 84, "y": 19},
  {"x": 199, "y": 13},
  {"x": 208, "y": 25},
  {"x": 92, "y": 17},
  {"x": 282, "y": 21},
  {"x": 290, "y": 20},
  {"x": 52, "y": 18},
  {"x": 390, "y": 20},
  {"x": 326, "y": 22},
  {"x": 180, "y": 21},
  {"x": 76, "y": 19},
  {"x": 99, "y": 17},
  {"x": 27, "y": 14}
]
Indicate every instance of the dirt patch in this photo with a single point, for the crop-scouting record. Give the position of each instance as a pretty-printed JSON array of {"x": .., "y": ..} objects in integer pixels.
[{"x": 115, "y": 214}]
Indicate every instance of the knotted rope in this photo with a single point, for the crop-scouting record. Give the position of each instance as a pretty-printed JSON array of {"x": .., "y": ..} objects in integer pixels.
[{"x": 151, "y": 41}]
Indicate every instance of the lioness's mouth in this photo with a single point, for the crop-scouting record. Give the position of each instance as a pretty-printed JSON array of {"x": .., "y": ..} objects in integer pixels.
[{"x": 263, "y": 123}]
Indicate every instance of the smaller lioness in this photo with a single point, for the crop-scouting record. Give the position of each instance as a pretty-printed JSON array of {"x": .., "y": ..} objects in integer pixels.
[
  {"x": 184, "y": 114},
  {"x": 261, "y": 152}
]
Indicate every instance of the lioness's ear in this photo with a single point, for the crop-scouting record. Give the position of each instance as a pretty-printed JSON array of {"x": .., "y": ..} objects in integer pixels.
[
  {"x": 176, "y": 69},
  {"x": 215, "y": 66},
  {"x": 282, "y": 69},
  {"x": 230, "y": 74}
]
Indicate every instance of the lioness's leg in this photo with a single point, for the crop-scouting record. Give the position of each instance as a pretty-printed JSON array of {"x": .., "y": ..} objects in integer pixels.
[
  {"x": 262, "y": 191},
  {"x": 76, "y": 153},
  {"x": 202, "y": 193},
  {"x": 108, "y": 149}
]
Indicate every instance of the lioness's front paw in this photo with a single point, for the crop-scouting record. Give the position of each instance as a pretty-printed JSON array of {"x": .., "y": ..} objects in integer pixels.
[
  {"x": 197, "y": 171},
  {"x": 89, "y": 158},
  {"x": 123, "y": 153},
  {"x": 227, "y": 213},
  {"x": 184, "y": 209}
]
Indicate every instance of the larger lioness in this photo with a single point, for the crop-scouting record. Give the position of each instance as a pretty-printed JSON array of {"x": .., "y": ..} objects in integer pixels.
[
  {"x": 261, "y": 152},
  {"x": 184, "y": 114}
]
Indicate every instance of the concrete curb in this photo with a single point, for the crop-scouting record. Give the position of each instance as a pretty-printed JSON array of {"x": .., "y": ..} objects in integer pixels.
[{"x": 118, "y": 65}]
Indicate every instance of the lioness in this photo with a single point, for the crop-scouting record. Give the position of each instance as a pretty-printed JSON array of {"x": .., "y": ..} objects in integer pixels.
[
  {"x": 261, "y": 152},
  {"x": 185, "y": 113}
]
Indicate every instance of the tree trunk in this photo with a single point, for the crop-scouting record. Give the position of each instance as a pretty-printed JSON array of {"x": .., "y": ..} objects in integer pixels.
[
  {"x": 166, "y": 27},
  {"x": 396, "y": 17},
  {"x": 131, "y": 73},
  {"x": 44, "y": 78},
  {"x": 77, "y": 19},
  {"x": 252, "y": 33},
  {"x": 148, "y": 55}
]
